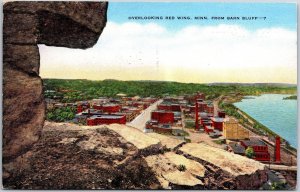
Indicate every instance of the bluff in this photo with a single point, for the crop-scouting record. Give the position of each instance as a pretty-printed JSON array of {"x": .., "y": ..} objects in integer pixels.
[
  {"x": 25, "y": 25},
  {"x": 69, "y": 156}
]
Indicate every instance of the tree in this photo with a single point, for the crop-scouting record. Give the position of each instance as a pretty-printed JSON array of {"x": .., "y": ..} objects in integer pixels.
[
  {"x": 61, "y": 114},
  {"x": 249, "y": 152}
]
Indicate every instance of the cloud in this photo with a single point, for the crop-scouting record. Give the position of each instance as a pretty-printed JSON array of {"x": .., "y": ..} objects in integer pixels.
[{"x": 192, "y": 54}]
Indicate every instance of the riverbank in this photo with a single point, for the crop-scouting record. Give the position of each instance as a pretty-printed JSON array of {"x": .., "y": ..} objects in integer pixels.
[
  {"x": 292, "y": 97},
  {"x": 227, "y": 104}
]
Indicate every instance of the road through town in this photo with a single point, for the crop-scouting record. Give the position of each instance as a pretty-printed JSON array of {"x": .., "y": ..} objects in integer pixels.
[{"x": 140, "y": 121}]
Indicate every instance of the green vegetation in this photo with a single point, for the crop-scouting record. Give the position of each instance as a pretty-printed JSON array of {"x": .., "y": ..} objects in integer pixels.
[
  {"x": 181, "y": 167},
  {"x": 278, "y": 186},
  {"x": 75, "y": 90},
  {"x": 180, "y": 133},
  {"x": 190, "y": 124},
  {"x": 249, "y": 152},
  {"x": 187, "y": 140},
  {"x": 61, "y": 114},
  {"x": 219, "y": 141},
  {"x": 292, "y": 97}
]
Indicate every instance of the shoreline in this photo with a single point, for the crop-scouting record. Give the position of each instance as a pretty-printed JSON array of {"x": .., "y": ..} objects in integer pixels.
[{"x": 249, "y": 122}]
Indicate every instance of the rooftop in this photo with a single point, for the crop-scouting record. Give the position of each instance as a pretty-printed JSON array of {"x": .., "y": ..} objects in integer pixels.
[
  {"x": 237, "y": 148},
  {"x": 110, "y": 105},
  {"x": 106, "y": 116},
  {"x": 254, "y": 142},
  {"x": 162, "y": 111},
  {"x": 217, "y": 119}
]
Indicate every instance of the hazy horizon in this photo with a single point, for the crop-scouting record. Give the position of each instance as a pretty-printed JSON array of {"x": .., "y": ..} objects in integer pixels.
[{"x": 170, "y": 81}]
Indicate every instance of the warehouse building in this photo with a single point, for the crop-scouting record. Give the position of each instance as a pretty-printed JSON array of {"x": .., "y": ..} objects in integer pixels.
[
  {"x": 217, "y": 123},
  {"x": 163, "y": 117},
  {"x": 233, "y": 131},
  {"x": 105, "y": 119}
]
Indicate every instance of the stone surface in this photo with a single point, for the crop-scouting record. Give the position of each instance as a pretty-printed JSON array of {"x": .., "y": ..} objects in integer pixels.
[
  {"x": 70, "y": 156},
  {"x": 88, "y": 13},
  {"x": 25, "y": 57},
  {"x": 167, "y": 141},
  {"x": 71, "y": 159},
  {"x": 23, "y": 111},
  {"x": 247, "y": 173},
  {"x": 26, "y": 24},
  {"x": 234, "y": 164},
  {"x": 191, "y": 166},
  {"x": 67, "y": 24},
  {"x": 167, "y": 172},
  {"x": 135, "y": 136},
  {"x": 20, "y": 28}
]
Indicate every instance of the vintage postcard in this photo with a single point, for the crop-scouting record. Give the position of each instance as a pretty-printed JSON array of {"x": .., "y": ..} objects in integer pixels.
[{"x": 149, "y": 95}]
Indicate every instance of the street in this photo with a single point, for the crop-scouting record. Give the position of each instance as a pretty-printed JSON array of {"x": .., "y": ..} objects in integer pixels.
[{"x": 140, "y": 121}]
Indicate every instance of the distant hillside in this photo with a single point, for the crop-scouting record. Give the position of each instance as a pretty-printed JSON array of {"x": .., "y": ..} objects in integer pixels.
[
  {"x": 81, "y": 89},
  {"x": 257, "y": 84}
]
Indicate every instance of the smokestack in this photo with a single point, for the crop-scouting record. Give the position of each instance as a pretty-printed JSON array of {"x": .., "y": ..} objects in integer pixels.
[
  {"x": 277, "y": 150},
  {"x": 196, "y": 116}
]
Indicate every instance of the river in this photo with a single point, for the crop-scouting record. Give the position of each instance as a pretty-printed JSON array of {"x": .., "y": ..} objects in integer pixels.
[{"x": 275, "y": 113}]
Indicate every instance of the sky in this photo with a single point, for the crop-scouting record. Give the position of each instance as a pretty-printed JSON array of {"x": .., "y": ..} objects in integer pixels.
[{"x": 186, "y": 50}]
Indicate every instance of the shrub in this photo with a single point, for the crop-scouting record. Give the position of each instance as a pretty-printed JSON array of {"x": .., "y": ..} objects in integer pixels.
[
  {"x": 181, "y": 167},
  {"x": 249, "y": 152}
]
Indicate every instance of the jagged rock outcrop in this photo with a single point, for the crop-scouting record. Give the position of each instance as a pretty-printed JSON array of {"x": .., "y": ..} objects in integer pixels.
[
  {"x": 115, "y": 156},
  {"x": 246, "y": 173},
  {"x": 26, "y": 24},
  {"x": 72, "y": 157}
]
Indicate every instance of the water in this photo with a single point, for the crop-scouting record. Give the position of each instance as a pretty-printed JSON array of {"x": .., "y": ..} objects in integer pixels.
[{"x": 275, "y": 113}]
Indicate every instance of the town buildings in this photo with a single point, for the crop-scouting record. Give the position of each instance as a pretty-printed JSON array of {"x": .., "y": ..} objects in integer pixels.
[{"x": 111, "y": 110}]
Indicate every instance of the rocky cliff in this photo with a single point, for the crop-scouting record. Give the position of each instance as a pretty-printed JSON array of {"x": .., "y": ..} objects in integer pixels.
[
  {"x": 26, "y": 24},
  {"x": 120, "y": 157}
]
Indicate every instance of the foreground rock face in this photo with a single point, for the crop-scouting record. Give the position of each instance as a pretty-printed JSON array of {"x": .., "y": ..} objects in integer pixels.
[
  {"x": 166, "y": 168},
  {"x": 82, "y": 159},
  {"x": 247, "y": 173},
  {"x": 69, "y": 156},
  {"x": 26, "y": 24}
]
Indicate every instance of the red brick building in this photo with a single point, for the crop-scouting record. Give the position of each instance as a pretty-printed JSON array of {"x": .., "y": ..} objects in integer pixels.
[
  {"x": 105, "y": 119},
  {"x": 163, "y": 117},
  {"x": 169, "y": 107},
  {"x": 82, "y": 106},
  {"x": 192, "y": 108},
  {"x": 261, "y": 152},
  {"x": 209, "y": 109},
  {"x": 164, "y": 107},
  {"x": 175, "y": 107},
  {"x": 217, "y": 123},
  {"x": 111, "y": 108},
  {"x": 208, "y": 129},
  {"x": 221, "y": 114},
  {"x": 108, "y": 108},
  {"x": 202, "y": 106},
  {"x": 98, "y": 107},
  {"x": 153, "y": 124},
  {"x": 200, "y": 96}
]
